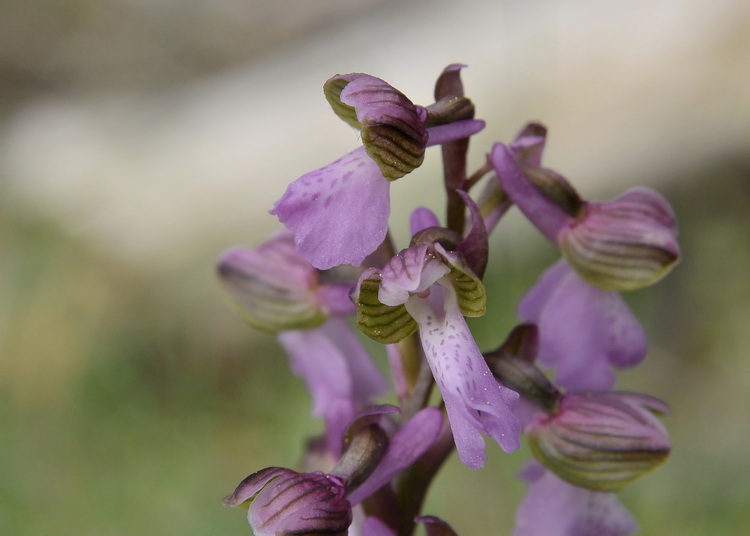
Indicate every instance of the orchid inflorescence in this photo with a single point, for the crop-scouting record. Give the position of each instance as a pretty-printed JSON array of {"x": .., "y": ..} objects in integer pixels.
[{"x": 336, "y": 266}]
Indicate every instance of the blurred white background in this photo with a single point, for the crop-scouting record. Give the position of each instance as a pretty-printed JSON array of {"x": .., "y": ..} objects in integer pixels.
[{"x": 158, "y": 127}]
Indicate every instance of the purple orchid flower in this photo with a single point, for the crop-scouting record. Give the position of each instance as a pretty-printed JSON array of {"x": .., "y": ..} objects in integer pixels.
[
  {"x": 585, "y": 326},
  {"x": 554, "y": 507},
  {"x": 417, "y": 289},
  {"x": 624, "y": 244},
  {"x": 281, "y": 501},
  {"x": 339, "y": 213},
  {"x": 278, "y": 290}
]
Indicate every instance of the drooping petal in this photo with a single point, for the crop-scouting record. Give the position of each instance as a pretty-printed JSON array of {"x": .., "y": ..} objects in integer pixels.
[
  {"x": 547, "y": 216},
  {"x": 408, "y": 443},
  {"x": 339, "y": 213},
  {"x": 583, "y": 330},
  {"x": 555, "y": 508},
  {"x": 476, "y": 403},
  {"x": 338, "y": 371}
]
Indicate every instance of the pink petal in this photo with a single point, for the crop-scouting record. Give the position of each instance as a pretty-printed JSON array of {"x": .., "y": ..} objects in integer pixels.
[
  {"x": 338, "y": 372},
  {"x": 553, "y": 507},
  {"x": 583, "y": 330},
  {"x": 408, "y": 444},
  {"x": 544, "y": 214},
  {"x": 476, "y": 403},
  {"x": 339, "y": 213}
]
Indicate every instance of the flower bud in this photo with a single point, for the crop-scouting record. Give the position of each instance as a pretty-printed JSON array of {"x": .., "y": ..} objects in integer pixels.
[
  {"x": 274, "y": 287},
  {"x": 283, "y": 502},
  {"x": 625, "y": 244},
  {"x": 448, "y": 110},
  {"x": 601, "y": 440},
  {"x": 366, "y": 448}
]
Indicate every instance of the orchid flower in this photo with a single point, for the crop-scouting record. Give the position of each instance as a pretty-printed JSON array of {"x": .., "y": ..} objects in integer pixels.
[
  {"x": 339, "y": 213},
  {"x": 279, "y": 290},
  {"x": 281, "y": 501},
  {"x": 624, "y": 244},
  {"x": 600, "y": 440},
  {"x": 427, "y": 288}
]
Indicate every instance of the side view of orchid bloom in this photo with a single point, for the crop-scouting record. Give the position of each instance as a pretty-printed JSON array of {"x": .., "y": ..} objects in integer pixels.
[{"x": 335, "y": 269}]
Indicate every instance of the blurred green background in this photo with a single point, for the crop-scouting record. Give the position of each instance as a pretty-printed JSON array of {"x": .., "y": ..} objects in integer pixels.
[{"x": 137, "y": 141}]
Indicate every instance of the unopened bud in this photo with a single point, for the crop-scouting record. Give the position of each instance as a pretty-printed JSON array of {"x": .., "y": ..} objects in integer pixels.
[
  {"x": 601, "y": 441},
  {"x": 283, "y": 502},
  {"x": 275, "y": 288},
  {"x": 448, "y": 110},
  {"x": 625, "y": 244},
  {"x": 366, "y": 448}
]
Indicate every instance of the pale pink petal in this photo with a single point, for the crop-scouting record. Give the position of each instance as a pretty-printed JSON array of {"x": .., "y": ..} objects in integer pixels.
[
  {"x": 583, "y": 330},
  {"x": 410, "y": 271},
  {"x": 476, "y": 403},
  {"x": 409, "y": 443},
  {"x": 339, "y": 213},
  {"x": 552, "y": 507},
  {"x": 543, "y": 213},
  {"x": 338, "y": 372}
]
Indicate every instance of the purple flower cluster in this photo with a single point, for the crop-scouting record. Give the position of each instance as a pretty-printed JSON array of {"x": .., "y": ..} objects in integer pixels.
[{"x": 335, "y": 266}]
